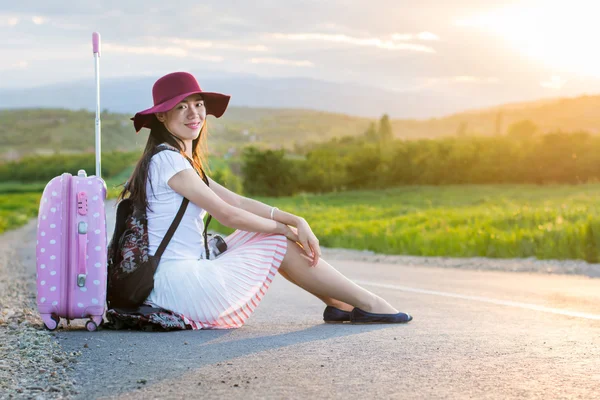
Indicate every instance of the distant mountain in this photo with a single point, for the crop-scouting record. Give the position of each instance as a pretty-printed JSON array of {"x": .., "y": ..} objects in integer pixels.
[
  {"x": 128, "y": 95},
  {"x": 567, "y": 114},
  {"x": 26, "y": 131}
]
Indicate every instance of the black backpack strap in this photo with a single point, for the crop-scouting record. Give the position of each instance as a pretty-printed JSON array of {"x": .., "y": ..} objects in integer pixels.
[
  {"x": 205, "y": 234},
  {"x": 172, "y": 229}
]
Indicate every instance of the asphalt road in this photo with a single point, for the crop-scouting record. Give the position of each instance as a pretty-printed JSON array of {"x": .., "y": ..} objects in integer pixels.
[{"x": 475, "y": 334}]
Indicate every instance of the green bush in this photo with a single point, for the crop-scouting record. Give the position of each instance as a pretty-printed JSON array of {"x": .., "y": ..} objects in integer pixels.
[
  {"x": 44, "y": 168},
  {"x": 365, "y": 163}
]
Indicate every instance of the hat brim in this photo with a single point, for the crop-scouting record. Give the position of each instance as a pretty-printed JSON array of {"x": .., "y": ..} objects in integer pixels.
[{"x": 215, "y": 103}]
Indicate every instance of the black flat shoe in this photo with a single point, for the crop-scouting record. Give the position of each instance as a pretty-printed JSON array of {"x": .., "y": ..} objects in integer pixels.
[
  {"x": 358, "y": 316},
  {"x": 333, "y": 315}
]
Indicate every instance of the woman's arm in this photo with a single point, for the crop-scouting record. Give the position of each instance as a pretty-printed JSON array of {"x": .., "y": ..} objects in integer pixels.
[
  {"x": 305, "y": 237},
  {"x": 253, "y": 206},
  {"x": 188, "y": 184},
  {"x": 224, "y": 193},
  {"x": 264, "y": 210}
]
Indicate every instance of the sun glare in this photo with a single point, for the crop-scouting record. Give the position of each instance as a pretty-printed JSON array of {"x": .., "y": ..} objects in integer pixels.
[{"x": 560, "y": 35}]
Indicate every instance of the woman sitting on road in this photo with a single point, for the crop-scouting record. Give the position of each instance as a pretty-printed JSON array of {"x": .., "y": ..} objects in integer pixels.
[{"x": 223, "y": 292}]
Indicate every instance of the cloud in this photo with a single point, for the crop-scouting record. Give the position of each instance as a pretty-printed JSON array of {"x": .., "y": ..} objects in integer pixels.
[
  {"x": 39, "y": 20},
  {"x": 280, "y": 61},
  {"x": 206, "y": 44},
  {"x": 473, "y": 79},
  {"x": 547, "y": 33},
  {"x": 332, "y": 41},
  {"x": 12, "y": 20},
  {"x": 458, "y": 79},
  {"x": 341, "y": 38},
  {"x": 23, "y": 19},
  {"x": 159, "y": 51},
  {"x": 151, "y": 50},
  {"x": 555, "y": 82},
  {"x": 6, "y": 20},
  {"x": 427, "y": 36},
  {"x": 20, "y": 65}
]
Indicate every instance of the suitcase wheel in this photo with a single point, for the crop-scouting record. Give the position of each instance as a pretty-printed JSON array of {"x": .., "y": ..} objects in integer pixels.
[
  {"x": 91, "y": 326},
  {"x": 52, "y": 324}
]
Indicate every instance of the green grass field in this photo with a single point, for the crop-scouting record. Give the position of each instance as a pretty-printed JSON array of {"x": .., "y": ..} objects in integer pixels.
[
  {"x": 546, "y": 222},
  {"x": 20, "y": 202},
  {"x": 17, "y": 208}
]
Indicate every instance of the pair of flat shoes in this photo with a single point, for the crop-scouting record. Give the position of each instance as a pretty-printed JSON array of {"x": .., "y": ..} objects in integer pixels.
[{"x": 333, "y": 315}]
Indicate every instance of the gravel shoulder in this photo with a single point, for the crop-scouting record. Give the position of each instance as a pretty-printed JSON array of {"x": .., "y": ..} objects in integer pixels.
[
  {"x": 34, "y": 365},
  {"x": 530, "y": 265}
]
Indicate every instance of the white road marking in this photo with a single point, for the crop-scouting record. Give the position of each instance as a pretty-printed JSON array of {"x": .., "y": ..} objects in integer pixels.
[{"x": 484, "y": 300}]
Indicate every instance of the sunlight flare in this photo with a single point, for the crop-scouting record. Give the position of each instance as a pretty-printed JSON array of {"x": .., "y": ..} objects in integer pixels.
[{"x": 558, "y": 36}]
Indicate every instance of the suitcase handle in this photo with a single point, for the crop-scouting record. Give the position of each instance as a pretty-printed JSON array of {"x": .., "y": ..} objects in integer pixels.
[
  {"x": 82, "y": 250},
  {"x": 98, "y": 142},
  {"x": 96, "y": 42}
]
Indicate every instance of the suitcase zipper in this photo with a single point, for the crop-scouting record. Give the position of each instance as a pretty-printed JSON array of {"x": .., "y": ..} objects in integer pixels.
[{"x": 65, "y": 248}]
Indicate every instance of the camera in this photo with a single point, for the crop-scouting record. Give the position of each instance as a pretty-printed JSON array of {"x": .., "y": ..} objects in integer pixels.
[{"x": 216, "y": 245}]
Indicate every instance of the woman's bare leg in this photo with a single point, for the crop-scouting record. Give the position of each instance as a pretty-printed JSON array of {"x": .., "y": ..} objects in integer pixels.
[
  {"x": 324, "y": 280},
  {"x": 327, "y": 300}
]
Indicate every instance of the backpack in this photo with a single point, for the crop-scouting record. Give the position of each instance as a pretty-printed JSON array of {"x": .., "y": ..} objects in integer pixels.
[{"x": 130, "y": 266}]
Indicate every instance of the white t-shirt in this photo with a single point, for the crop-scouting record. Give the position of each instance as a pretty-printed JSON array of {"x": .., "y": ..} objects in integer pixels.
[{"x": 164, "y": 202}]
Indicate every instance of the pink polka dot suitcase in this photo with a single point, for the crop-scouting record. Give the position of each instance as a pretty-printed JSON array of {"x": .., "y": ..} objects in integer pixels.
[
  {"x": 71, "y": 242},
  {"x": 71, "y": 250}
]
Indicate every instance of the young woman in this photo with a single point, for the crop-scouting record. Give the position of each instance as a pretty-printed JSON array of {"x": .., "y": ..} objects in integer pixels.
[{"x": 223, "y": 292}]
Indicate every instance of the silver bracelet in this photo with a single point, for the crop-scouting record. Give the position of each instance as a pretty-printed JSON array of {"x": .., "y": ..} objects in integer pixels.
[{"x": 273, "y": 210}]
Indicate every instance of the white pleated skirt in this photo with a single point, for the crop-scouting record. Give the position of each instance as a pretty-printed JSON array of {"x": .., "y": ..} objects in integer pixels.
[{"x": 220, "y": 293}]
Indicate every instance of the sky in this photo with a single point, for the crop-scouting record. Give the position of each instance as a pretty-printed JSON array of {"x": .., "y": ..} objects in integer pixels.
[{"x": 505, "y": 47}]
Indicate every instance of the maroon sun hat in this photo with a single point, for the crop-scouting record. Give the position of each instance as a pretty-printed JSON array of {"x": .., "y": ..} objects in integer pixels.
[{"x": 169, "y": 90}]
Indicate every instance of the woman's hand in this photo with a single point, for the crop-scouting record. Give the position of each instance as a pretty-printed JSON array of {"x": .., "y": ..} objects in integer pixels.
[
  {"x": 308, "y": 241},
  {"x": 288, "y": 232}
]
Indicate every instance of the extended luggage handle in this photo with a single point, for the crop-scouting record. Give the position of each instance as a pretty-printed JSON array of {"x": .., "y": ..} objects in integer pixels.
[
  {"x": 96, "y": 43},
  {"x": 82, "y": 236},
  {"x": 82, "y": 249},
  {"x": 96, "y": 50}
]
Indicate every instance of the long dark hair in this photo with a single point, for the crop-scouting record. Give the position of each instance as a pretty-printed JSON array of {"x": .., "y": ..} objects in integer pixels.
[{"x": 135, "y": 188}]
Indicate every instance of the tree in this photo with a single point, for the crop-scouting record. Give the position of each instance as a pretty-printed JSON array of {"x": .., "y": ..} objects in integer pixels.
[
  {"x": 371, "y": 133},
  {"x": 385, "y": 129},
  {"x": 268, "y": 173},
  {"x": 325, "y": 170},
  {"x": 524, "y": 129},
  {"x": 225, "y": 177},
  {"x": 462, "y": 129},
  {"x": 362, "y": 167},
  {"x": 498, "y": 125}
]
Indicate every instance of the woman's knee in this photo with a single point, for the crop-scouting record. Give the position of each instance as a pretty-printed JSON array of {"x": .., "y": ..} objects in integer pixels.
[{"x": 294, "y": 256}]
